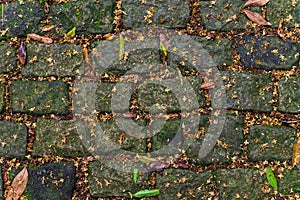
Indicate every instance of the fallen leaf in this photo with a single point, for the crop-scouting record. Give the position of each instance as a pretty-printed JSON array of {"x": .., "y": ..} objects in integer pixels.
[
  {"x": 18, "y": 185},
  {"x": 279, "y": 29},
  {"x": 296, "y": 154},
  {"x": 39, "y": 38},
  {"x": 22, "y": 53},
  {"x": 146, "y": 193},
  {"x": 71, "y": 33},
  {"x": 256, "y": 3},
  {"x": 158, "y": 165},
  {"x": 47, "y": 28},
  {"x": 271, "y": 178},
  {"x": 208, "y": 85},
  {"x": 256, "y": 18},
  {"x": 86, "y": 54}
]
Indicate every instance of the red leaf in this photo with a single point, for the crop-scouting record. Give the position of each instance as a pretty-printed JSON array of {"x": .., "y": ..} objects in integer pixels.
[
  {"x": 18, "y": 185},
  {"x": 208, "y": 85},
  {"x": 256, "y": 3},
  {"x": 279, "y": 29},
  {"x": 256, "y": 18},
  {"x": 22, "y": 53}
]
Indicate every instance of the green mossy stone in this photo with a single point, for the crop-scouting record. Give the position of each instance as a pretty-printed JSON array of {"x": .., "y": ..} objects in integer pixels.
[
  {"x": 2, "y": 98},
  {"x": 7, "y": 58},
  {"x": 284, "y": 9},
  {"x": 268, "y": 52},
  {"x": 289, "y": 94},
  {"x": 227, "y": 147},
  {"x": 39, "y": 98},
  {"x": 120, "y": 182},
  {"x": 184, "y": 184},
  {"x": 166, "y": 14},
  {"x": 58, "y": 60},
  {"x": 13, "y": 140},
  {"x": 87, "y": 16},
  {"x": 241, "y": 183},
  {"x": 215, "y": 15},
  {"x": 291, "y": 181},
  {"x": 271, "y": 143},
  {"x": 59, "y": 138},
  {"x": 22, "y": 18},
  {"x": 245, "y": 91},
  {"x": 1, "y": 184}
]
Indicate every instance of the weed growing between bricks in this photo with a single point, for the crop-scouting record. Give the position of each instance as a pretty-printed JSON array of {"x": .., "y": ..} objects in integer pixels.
[{"x": 215, "y": 177}]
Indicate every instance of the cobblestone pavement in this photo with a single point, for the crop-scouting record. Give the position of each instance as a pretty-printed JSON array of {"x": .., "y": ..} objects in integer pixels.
[{"x": 40, "y": 105}]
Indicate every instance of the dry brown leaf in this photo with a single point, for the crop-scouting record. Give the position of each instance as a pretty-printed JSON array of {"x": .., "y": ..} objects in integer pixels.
[
  {"x": 296, "y": 154},
  {"x": 22, "y": 53},
  {"x": 256, "y": 3},
  {"x": 86, "y": 54},
  {"x": 208, "y": 85},
  {"x": 39, "y": 38},
  {"x": 18, "y": 185},
  {"x": 279, "y": 29},
  {"x": 47, "y": 28},
  {"x": 256, "y": 18}
]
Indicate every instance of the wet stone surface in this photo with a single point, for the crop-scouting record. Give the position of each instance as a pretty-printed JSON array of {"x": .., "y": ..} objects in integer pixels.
[
  {"x": 166, "y": 14},
  {"x": 284, "y": 9},
  {"x": 85, "y": 15},
  {"x": 21, "y": 18},
  {"x": 13, "y": 140},
  {"x": 268, "y": 53},
  {"x": 105, "y": 181},
  {"x": 40, "y": 97},
  {"x": 7, "y": 58},
  {"x": 52, "y": 60},
  {"x": 246, "y": 91},
  {"x": 227, "y": 147},
  {"x": 51, "y": 181},
  {"x": 59, "y": 138},
  {"x": 184, "y": 184},
  {"x": 216, "y": 14},
  {"x": 289, "y": 94},
  {"x": 271, "y": 143},
  {"x": 241, "y": 184}
]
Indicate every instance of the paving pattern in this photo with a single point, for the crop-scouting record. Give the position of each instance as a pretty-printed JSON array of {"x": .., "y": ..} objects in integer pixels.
[{"x": 137, "y": 105}]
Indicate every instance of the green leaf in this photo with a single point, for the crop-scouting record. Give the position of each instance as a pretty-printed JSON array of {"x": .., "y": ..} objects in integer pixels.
[
  {"x": 271, "y": 178},
  {"x": 146, "y": 193},
  {"x": 135, "y": 175},
  {"x": 122, "y": 48},
  {"x": 71, "y": 33},
  {"x": 163, "y": 48}
]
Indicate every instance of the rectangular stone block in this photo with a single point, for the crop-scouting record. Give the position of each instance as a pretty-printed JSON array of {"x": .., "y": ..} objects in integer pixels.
[
  {"x": 184, "y": 184},
  {"x": 58, "y": 60},
  {"x": 271, "y": 143},
  {"x": 289, "y": 10},
  {"x": 268, "y": 52},
  {"x": 223, "y": 15},
  {"x": 7, "y": 58},
  {"x": 166, "y": 14},
  {"x": 166, "y": 96},
  {"x": 87, "y": 16},
  {"x": 242, "y": 184},
  {"x": 13, "y": 140},
  {"x": 21, "y": 18},
  {"x": 120, "y": 182},
  {"x": 59, "y": 138},
  {"x": 227, "y": 142},
  {"x": 246, "y": 91},
  {"x": 39, "y": 98},
  {"x": 289, "y": 94}
]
